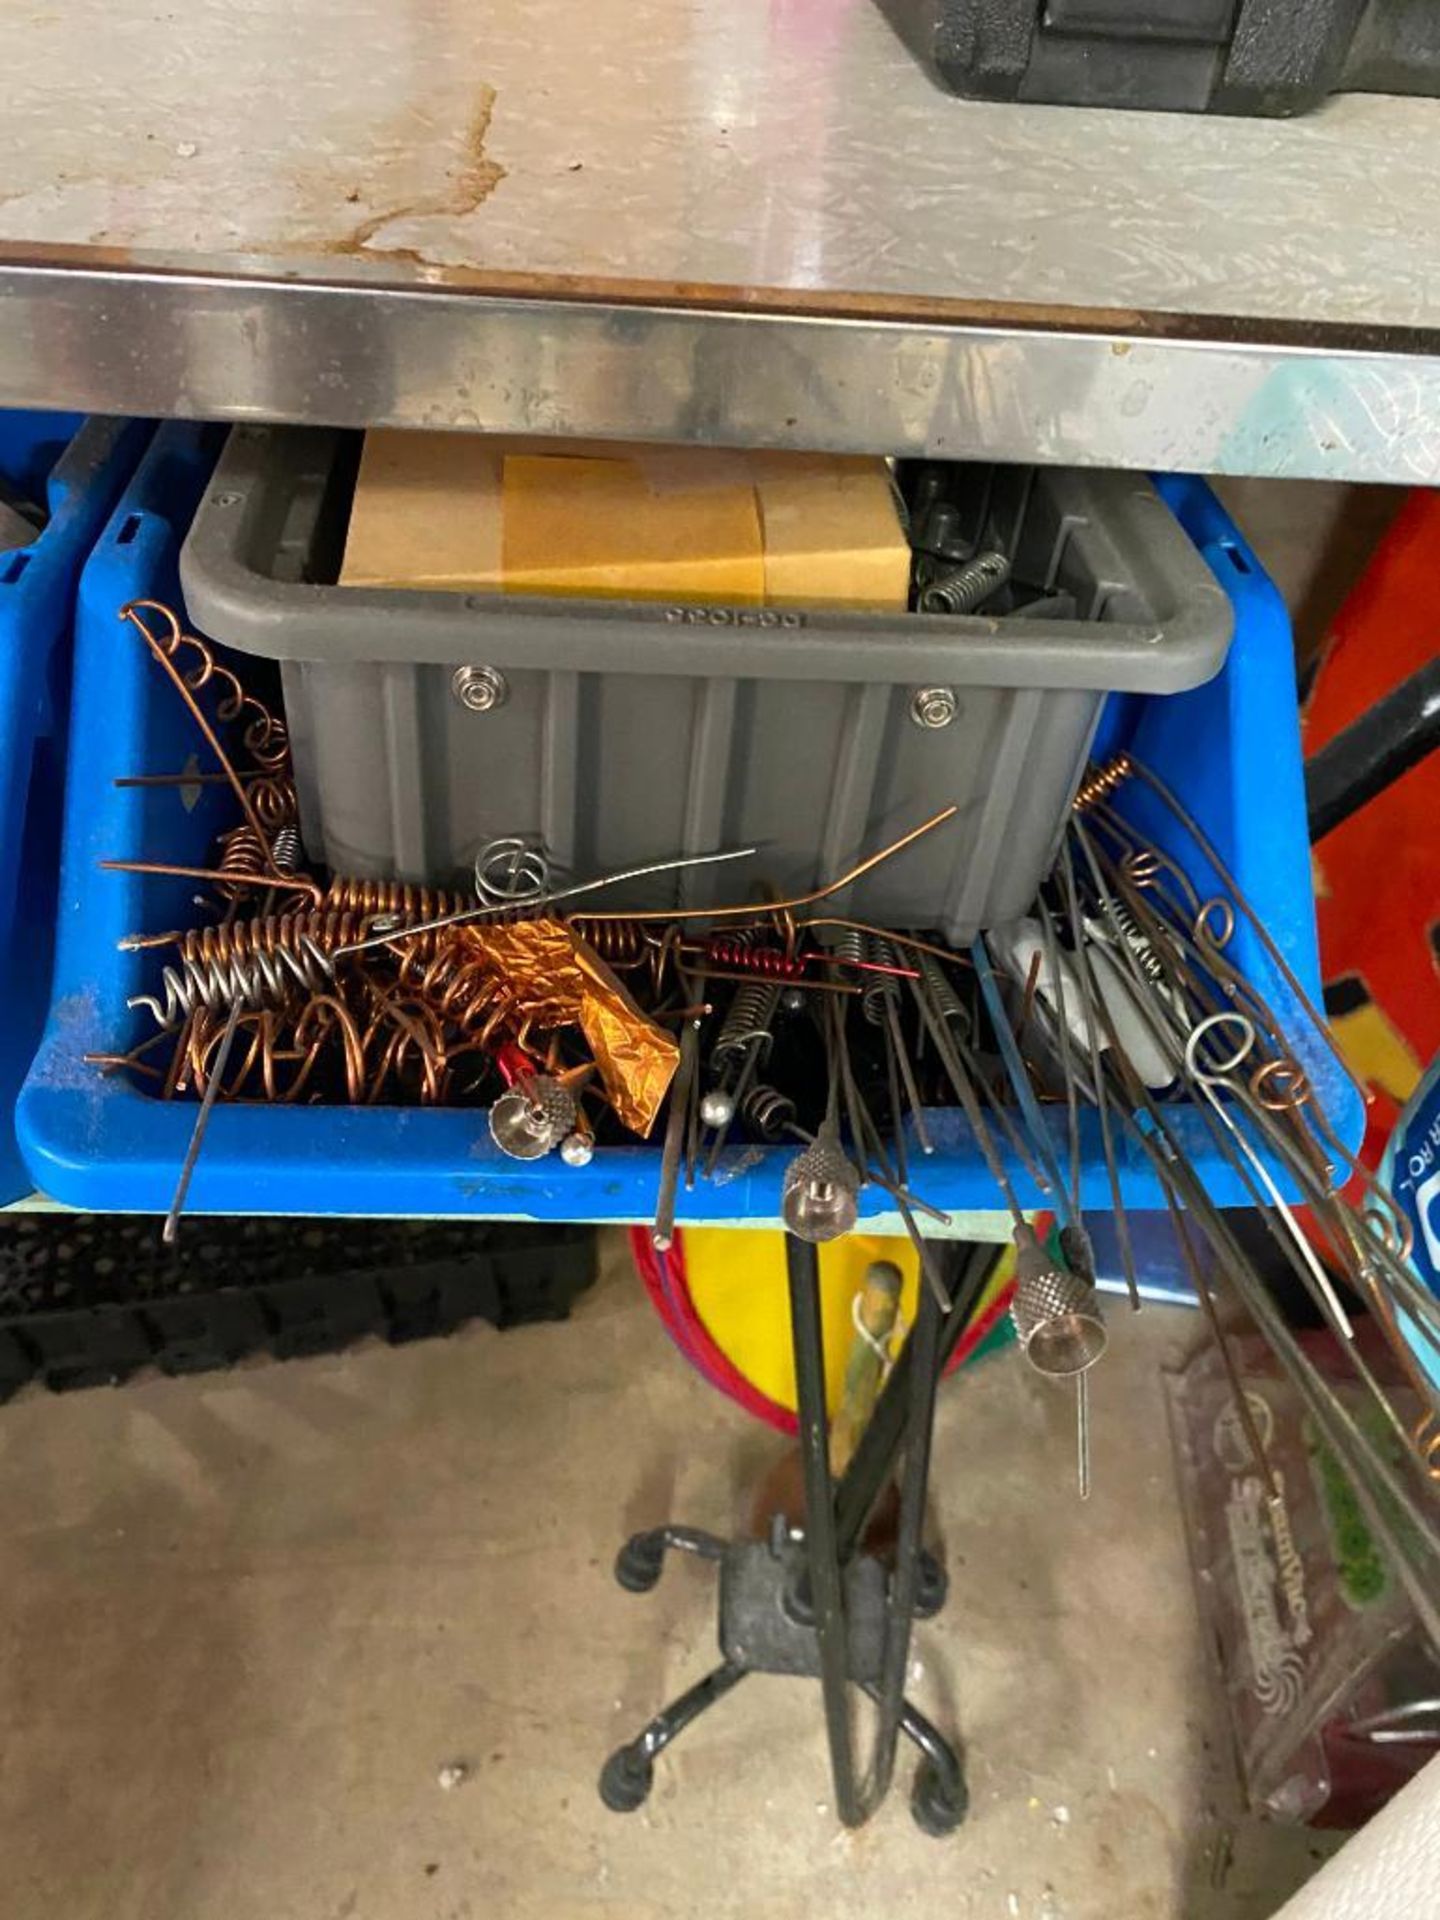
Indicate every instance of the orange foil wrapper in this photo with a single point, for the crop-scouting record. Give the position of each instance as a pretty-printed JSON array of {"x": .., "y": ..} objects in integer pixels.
[{"x": 562, "y": 982}]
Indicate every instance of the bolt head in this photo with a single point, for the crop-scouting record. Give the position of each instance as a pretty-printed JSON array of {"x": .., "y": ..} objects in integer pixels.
[
  {"x": 933, "y": 706},
  {"x": 479, "y": 689}
]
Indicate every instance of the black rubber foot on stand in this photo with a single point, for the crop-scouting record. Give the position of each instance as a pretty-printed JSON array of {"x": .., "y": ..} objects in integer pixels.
[
  {"x": 625, "y": 1780},
  {"x": 937, "y": 1808},
  {"x": 932, "y": 1588},
  {"x": 637, "y": 1565}
]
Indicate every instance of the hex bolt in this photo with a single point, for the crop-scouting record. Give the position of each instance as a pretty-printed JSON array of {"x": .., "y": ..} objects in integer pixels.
[
  {"x": 479, "y": 689},
  {"x": 933, "y": 706}
]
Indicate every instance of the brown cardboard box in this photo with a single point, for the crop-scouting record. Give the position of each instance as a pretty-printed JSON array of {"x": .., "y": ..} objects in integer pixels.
[{"x": 501, "y": 515}]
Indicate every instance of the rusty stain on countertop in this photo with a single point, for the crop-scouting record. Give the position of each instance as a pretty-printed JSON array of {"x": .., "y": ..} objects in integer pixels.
[{"x": 467, "y": 189}]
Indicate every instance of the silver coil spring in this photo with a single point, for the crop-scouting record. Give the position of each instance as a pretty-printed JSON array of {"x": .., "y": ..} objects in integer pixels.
[
  {"x": 967, "y": 587},
  {"x": 1137, "y": 939},
  {"x": 259, "y": 964},
  {"x": 948, "y": 1004},
  {"x": 881, "y": 990},
  {"x": 286, "y": 851},
  {"x": 848, "y": 946}
]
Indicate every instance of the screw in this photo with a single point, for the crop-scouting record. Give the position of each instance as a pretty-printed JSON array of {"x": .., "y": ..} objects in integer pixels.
[
  {"x": 933, "y": 706},
  {"x": 479, "y": 689}
]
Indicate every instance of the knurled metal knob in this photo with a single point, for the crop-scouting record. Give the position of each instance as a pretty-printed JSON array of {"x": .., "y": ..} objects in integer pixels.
[
  {"x": 1056, "y": 1314},
  {"x": 531, "y": 1118},
  {"x": 820, "y": 1197}
]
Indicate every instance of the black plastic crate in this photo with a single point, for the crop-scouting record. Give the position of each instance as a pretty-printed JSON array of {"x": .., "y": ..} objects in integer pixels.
[{"x": 89, "y": 1300}]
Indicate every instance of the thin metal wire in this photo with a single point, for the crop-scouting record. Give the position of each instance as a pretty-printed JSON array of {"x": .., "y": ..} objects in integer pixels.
[
  {"x": 170, "y": 1231},
  {"x": 1227, "y": 879},
  {"x": 1019, "y": 1080},
  {"x": 554, "y": 898}
]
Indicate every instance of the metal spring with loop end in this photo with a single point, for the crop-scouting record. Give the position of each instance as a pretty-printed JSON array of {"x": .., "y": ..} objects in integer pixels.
[
  {"x": 967, "y": 587},
  {"x": 259, "y": 963},
  {"x": 511, "y": 872},
  {"x": 749, "y": 1021},
  {"x": 768, "y": 1111},
  {"x": 266, "y": 738},
  {"x": 1102, "y": 782}
]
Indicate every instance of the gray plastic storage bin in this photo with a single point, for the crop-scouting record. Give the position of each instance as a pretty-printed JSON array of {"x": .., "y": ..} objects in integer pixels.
[{"x": 630, "y": 732}]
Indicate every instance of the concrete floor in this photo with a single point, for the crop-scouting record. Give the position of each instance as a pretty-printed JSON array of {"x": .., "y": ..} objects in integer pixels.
[{"x": 246, "y": 1619}]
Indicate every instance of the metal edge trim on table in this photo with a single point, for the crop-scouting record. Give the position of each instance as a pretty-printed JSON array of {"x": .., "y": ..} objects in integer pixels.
[{"x": 1174, "y": 393}]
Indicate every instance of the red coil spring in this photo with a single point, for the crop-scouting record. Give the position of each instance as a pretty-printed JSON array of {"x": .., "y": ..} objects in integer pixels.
[{"x": 769, "y": 962}]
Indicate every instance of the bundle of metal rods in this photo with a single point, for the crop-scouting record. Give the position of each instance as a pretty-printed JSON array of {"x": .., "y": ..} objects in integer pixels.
[{"x": 1115, "y": 1013}]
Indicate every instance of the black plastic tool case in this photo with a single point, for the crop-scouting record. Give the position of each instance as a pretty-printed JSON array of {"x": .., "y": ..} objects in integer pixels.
[{"x": 1192, "y": 56}]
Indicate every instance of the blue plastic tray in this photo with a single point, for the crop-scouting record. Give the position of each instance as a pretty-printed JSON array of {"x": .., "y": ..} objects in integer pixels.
[
  {"x": 75, "y": 470},
  {"x": 1231, "y": 750}
]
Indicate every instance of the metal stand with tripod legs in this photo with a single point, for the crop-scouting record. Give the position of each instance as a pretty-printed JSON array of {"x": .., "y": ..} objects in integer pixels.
[{"x": 810, "y": 1602}]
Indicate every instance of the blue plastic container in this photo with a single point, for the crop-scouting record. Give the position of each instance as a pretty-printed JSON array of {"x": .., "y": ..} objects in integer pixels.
[
  {"x": 1230, "y": 749},
  {"x": 75, "y": 470}
]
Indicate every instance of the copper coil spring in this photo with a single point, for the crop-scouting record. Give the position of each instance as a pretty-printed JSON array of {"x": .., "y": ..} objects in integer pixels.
[
  {"x": 373, "y": 1042},
  {"x": 265, "y": 735},
  {"x": 267, "y": 740},
  {"x": 1100, "y": 784},
  {"x": 749, "y": 1020},
  {"x": 1143, "y": 868},
  {"x": 347, "y": 894},
  {"x": 260, "y": 963},
  {"x": 245, "y": 854},
  {"x": 882, "y": 990},
  {"x": 722, "y": 950},
  {"x": 273, "y": 802},
  {"x": 461, "y": 989},
  {"x": 767, "y": 1110},
  {"x": 619, "y": 942}
]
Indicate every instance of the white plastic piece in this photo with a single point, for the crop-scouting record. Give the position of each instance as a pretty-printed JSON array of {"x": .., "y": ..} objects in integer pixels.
[
  {"x": 1015, "y": 946},
  {"x": 1133, "y": 1029}
]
